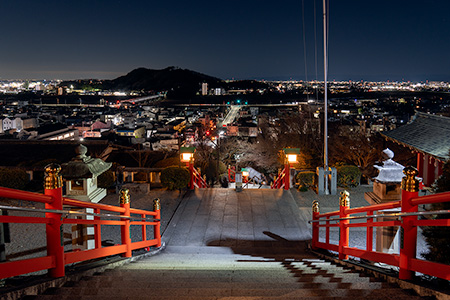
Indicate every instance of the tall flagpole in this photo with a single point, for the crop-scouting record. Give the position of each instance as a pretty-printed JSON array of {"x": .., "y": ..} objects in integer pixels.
[{"x": 325, "y": 118}]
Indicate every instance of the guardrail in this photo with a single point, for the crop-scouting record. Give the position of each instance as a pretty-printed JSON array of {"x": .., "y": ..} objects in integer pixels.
[
  {"x": 55, "y": 217},
  {"x": 280, "y": 181},
  {"x": 406, "y": 219},
  {"x": 197, "y": 180}
]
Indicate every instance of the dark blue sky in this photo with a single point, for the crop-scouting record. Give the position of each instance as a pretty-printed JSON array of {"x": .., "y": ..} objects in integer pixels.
[{"x": 371, "y": 40}]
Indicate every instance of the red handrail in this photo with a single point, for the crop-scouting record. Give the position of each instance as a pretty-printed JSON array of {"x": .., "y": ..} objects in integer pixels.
[
  {"x": 406, "y": 260},
  {"x": 199, "y": 182},
  {"x": 279, "y": 182},
  {"x": 56, "y": 259}
]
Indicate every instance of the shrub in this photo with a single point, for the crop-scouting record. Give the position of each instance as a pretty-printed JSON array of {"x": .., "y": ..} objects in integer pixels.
[
  {"x": 175, "y": 178},
  {"x": 305, "y": 180},
  {"x": 106, "y": 179},
  {"x": 223, "y": 179},
  {"x": 13, "y": 178},
  {"x": 348, "y": 176}
]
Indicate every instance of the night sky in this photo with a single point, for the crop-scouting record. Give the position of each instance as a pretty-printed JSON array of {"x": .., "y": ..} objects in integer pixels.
[{"x": 246, "y": 39}]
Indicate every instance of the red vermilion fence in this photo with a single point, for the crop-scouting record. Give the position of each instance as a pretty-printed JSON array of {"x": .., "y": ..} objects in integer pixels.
[
  {"x": 196, "y": 179},
  {"x": 282, "y": 180},
  {"x": 407, "y": 219},
  {"x": 55, "y": 217}
]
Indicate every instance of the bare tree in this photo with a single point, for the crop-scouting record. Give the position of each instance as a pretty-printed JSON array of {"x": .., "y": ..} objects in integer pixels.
[{"x": 357, "y": 149}]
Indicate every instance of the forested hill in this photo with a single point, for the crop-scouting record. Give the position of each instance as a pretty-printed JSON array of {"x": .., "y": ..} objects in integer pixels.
[
  {"x": 177, "y": 82},
  {"x": 160, "y": 80}
]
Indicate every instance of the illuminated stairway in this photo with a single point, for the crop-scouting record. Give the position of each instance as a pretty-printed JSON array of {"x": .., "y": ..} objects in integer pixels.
[
  {"x": 216, "y": 273},
  {"x": 232, "y": 246}
]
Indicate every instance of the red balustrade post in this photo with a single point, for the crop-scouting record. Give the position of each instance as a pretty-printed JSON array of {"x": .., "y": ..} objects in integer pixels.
[
  {"x": 315, "y": 225},
  {"x": 157, "y": 231},
  {"x": 54, "y": 230},
  {"x": 191, "y": 172},
  {"x": 344, "y": 203},
  {"x": 408, "y": 243},
  {"x": 97, "y": 230},
  {"x": 287, "y": 171},
  {"x": 369, "y": 232},
  {"x": 327, "y": 231},
  {"x": 125, "y": 229},
  {"x": 144, "y": 228}
]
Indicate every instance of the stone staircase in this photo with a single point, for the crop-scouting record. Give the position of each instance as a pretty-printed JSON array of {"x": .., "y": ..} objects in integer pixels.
[{"x": 208, "y": 273}]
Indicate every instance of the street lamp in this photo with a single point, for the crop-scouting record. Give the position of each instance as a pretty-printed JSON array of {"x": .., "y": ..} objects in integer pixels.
[
  {"x": 187, "y": 156},
  {"x": 291, "y": 154},
  {"x": 290, "y": 158}
]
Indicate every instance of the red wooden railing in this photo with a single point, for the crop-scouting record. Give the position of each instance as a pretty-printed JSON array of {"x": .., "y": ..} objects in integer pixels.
[
  {"x": 55, "y": 217},
  {"x": 407, "y": 220},
  {"x": 282, "y": 178},
  {"x": 197, "y": 180}
]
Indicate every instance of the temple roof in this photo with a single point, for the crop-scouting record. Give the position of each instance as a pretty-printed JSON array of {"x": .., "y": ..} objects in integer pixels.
[{"x": 428, "y": 134}]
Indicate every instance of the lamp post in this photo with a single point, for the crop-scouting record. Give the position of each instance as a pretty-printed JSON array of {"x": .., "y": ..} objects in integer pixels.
[
  {"x": 290, "y": 158},
  {"x": 187, "y": 156}
]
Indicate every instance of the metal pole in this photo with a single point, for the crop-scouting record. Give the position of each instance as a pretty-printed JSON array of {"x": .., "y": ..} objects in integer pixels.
[{"x": 325, "y": 117}]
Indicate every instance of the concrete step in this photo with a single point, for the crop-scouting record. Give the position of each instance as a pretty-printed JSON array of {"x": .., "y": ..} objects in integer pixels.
[
  {"x": 223, "y": 293},
  {"x": 204, "y": 276},
  {"x": 230, "y": 284}
]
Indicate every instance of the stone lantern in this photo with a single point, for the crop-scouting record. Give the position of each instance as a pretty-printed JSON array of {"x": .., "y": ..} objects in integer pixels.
[
  {"x": 386, "y": 188},
  {"x": 81, "y": 175}
]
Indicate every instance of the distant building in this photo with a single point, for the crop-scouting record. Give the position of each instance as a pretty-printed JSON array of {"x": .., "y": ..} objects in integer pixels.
[
  {"x": 131, "y": 132},
  {"x": 56, "y": 132},
  {"x": 204, "y": 89},
  {"x": 6, "y": 125}
]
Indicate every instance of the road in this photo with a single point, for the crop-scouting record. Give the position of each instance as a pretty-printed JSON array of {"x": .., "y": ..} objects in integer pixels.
[{"x": 231, "y": 116}]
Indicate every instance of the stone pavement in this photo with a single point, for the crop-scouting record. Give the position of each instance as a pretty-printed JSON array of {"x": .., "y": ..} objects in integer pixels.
[
  {"x": 226, "y": 218},
  {"x": 223, "y": 217}
]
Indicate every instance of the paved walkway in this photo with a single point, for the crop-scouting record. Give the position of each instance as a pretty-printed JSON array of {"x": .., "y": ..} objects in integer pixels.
[{"x": 262, "y": 220}]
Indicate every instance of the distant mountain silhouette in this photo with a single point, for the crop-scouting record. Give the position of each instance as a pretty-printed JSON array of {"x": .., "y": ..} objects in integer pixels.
[
  {"x": 174, "y": 80},
  {"x": 178, "y": 83}
]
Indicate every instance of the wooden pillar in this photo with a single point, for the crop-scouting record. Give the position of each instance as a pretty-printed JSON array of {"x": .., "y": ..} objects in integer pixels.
[
  {"x": 125, "y": 229},
  {"x": 410, "y": 189},
  {"x": 157, "y": 230},
  {"x": 420, "y": 163},
  {"x": 344, "y": 203},
  {"x": 55, "y": 248},
  {"x": 430, "y": 171},
  {"x": 315, "y": 225},
  {"x": 287, "y": 179}
]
